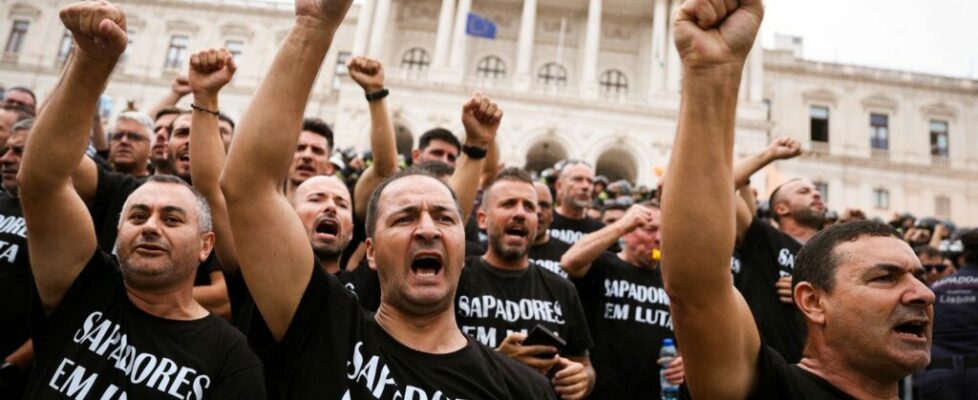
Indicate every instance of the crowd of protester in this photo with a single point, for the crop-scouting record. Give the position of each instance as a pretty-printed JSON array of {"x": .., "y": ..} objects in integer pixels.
[{"x": 276, "y": 266}]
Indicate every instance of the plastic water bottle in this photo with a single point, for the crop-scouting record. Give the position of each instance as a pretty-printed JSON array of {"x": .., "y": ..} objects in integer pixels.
[{"x": 670, "y": 391}]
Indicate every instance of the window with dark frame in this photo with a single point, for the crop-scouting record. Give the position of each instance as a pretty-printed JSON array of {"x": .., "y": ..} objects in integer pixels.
[
  {"x": 491, "y": 67},
  {"x": 879, "y": 131},
  {"x": 17, "y": 34},
  {"x": 613, "y": 81},
  {"x": 340, "y": 69},
  {"x": 823, "y": 189},
  {"x": 881, "y": 199},
  {"x": 552, "y": 74},
  {"x": 819, "y": 117},
  {"x": 415, "y": 59},
  {"x": 939, "y": 141},
  {"x": 66, "y": 47},
  {"x": 176, "y": 55},
  {"x": 236, "y": 48}
]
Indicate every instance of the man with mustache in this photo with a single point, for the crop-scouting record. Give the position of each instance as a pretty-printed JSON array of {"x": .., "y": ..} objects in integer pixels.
[
  {"x": 129, "y": 327},
  {"x": 546, "y": 252},
  {"x": 505, "y": 276},
  {"x": 324, "y": 345},
  {"x": 767, "y": 254},
  {"x": 858, "y": 285},
  {"x": 129, "y": 144}
]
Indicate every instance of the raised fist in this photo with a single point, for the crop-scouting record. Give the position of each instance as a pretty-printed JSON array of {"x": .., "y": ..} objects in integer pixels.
[
  {"x": 635, "y": 217},
  {"x": 180, "y": 85},
  {"x": 98, "y": 28},
  {"x": 481, "y": 118},
  {"x": 712, "y": 33},
  {"x": 328, "y": 11},
  {"x": 367, "y": 72},
  {"x": 210, "y": 70},
  {"x": 784, "y": 148}
]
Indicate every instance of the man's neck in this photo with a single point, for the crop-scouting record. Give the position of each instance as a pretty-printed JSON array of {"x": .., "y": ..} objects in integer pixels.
[
  {"x": 542, "y": 239},
  {"x": 846, "y": 378},
  {"x": 498, "y": 262},
  {"x": 162, "y": 168},
  {"x": 634, "y": 261},
  {"x": 175, "y": 303},
  {"x": 330, "y": 265},
  {"x": 570, "y": 212},
  {"x": 130, "y": 170},
  {"x": 435, "y": 334},
  {"x": 800, "y": 232}
]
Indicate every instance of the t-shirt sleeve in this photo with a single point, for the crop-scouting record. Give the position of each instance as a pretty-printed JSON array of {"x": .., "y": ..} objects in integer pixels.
[
  {"x": 771, "y": 371},
  {"x": 97, "y": 279},
  {"x": 590, "y": 287},
  {"x": 758, "y": 234},
  {"x": 245, "y": 378},
  {"x": 580, "y": 340}
]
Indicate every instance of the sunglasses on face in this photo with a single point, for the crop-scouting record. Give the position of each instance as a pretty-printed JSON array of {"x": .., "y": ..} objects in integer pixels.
[{"x": 932, "y": 267}]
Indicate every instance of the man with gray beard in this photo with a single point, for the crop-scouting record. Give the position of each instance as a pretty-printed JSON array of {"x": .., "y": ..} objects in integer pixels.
[
  {"x": 767, "y": 253},
  {"x": 502, "y": 296},
  {"x": 575, "y": 182}
]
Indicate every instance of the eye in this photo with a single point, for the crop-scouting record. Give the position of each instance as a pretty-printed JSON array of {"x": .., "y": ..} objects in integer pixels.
[
  {"x": 403, "y": 220},
  {"x": 448, "y": 219},
  {"x": 172, "y": 220},
  {"x": 137, "y": 217}
]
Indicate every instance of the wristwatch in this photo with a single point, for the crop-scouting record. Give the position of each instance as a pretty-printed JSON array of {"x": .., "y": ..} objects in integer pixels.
[{"x": 475, "y": 153}]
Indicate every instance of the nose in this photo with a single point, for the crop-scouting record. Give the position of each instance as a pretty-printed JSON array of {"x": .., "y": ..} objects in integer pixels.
[
  {"x": 426, "y": 230},
  {"x": 918, "y": 294},
  {"x": 8, "y": 157}
]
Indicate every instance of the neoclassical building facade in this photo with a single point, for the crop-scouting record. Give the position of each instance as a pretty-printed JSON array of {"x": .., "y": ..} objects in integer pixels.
[{"x": 596, "y": 80}]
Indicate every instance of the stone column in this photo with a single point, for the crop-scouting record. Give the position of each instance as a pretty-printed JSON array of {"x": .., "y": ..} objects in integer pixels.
[
  {"x": 379, "y": 33},
  {"x": 524, "y": 55},
  {"x": 364, "y": 18},
  {"x": 589, "y": 71},
  {"x": 443, "y": 40}
]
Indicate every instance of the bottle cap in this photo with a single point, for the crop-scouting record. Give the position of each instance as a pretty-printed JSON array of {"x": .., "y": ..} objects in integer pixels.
[{"x": 667, "y": 342}]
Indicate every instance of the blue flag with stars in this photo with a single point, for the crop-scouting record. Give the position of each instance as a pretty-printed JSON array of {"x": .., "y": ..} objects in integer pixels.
[{"x": 480, "y": 26}]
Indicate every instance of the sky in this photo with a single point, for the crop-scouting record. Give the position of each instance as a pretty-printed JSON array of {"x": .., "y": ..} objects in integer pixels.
[{"x": 933, "y": 36}]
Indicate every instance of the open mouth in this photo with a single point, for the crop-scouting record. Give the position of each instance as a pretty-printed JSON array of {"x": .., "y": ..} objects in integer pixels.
[
  {"x": 914, "y": 329},
  {"x": 426, "y": 265},
  {"x": 517, "y": 231},
  {"x": 184, "y": 157},
  {"x": 305, "y": 168},
  {"x": 328, "y": 227}
]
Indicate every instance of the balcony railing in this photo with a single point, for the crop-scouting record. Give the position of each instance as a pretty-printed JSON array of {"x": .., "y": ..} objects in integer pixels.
[
  {"x": 940, "y": 161},
  {"x": 879, "y": 154},
  {"x": 819, "y": 147}
]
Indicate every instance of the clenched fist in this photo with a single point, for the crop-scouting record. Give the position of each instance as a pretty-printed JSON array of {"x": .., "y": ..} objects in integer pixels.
[
  {"x": 711, "y": 33},
  {"x": 98, "y": 28},
  {"x": 210, "y": 70},
  {"x": 481, "y": 118},
  {"x": 784, "y": 149},
  {"x": 367, "y": 72}
]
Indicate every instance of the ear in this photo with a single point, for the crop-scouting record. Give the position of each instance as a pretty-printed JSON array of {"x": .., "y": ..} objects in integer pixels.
[
  {"x": 370, "y": 254},
  {"x": 480, "y": 217},
  {"x": 557, "y": 185},
  {"x": 809, "y": 302},
  {"x": 206, "y": 245},
  {"x": 782, "y": 209},
  {"x": 415, "y": 156}
]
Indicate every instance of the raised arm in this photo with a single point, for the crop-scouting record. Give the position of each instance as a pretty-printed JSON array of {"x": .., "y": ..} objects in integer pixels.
[
  {"x": 273, "y": 249},
  {"x": 62, "y": 234},
  {"x": 720, "y": 343},
  {"x": 369, "y": 74},
  {"x": 210, "y": 71},
  {"x": 481, "y": 118},
  {"x": 179, "y": 88},
  {"x": 577, "y": 260},
  {"x": 780, "y": 149}
]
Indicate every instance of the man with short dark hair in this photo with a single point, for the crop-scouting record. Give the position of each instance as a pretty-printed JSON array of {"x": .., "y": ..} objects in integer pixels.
[
  {"x": 129, "y": 325},
  {"x": 311, "y": 156},
  {"x": 22, "y": 98},
  {"x": 325, "y": 346},
  {"x": 612, "y": 211},
  {"x": 767, "y": 254},
  {"x": 494, "y": 286},
  {"x": 129, "y": 144},
  {"x": 163, "y": 120},
  {"x": 546, "y": 252},
  {"x": 574, "y": 186},
  {"x": 858, "y": 285},
  {"x": 625, "y": 303},
  {"x": 438, "y": 144},
  {"x": 934, "y": 263},
  {"x": 9, "y": 117},
  {"x": 16, "y": 283},
  {"x": 953, "y": 370}
]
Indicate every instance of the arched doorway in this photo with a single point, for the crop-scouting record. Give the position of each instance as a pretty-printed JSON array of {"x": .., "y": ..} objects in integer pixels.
[
  {"x": 616, "y": 164},
  {"x": 544, "y": 155},
  {"x": 404, "y": 140}
]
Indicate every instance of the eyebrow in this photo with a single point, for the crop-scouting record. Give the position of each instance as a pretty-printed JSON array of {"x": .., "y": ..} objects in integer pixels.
[
  {"x": 893, "y": 268},
  {"x": 416, "y": 208},
  {"x": 166, "y": 209}
]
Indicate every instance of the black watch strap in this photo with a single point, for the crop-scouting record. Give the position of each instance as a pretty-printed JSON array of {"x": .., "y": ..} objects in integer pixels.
[
  {"x": 475, "y": 153},
  {"x": 378, "y": 95}
]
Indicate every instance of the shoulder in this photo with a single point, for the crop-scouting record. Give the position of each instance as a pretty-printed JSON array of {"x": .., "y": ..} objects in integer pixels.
[{"x": 521, "y": 380}]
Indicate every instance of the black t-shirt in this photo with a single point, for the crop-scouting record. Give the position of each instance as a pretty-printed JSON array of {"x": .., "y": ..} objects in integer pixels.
[
  {"x": 16, "y": 282},
  {"x": 628, "y": 311},
  {"x": 956, "y": 314},
  {"x": 547, "y": 255},
  {"x": 777, "y": 380},
  {"x": 766, "y": 254},
  {"x": 491, "y": 303},
  {"x": 335, "y": 350},
  {"x": 571, "y": 230},
  {"x": 96, "y": 342},
  {"x": 110, "y": 196}
]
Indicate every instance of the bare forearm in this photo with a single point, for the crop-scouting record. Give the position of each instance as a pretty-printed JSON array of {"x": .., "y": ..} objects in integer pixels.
[
  {"x": 384, "y": 148},
  {"x": 171, "y": 99},
  {"x": 262, "y": 159},
  {"x": 577, "y": 260},
  {"x": 98, "y": 136},
  {"x": 23, "y": 356},
  {"x": 490, "y": 167},
  {"x": 465, "y": 182},
  {"x": 66, "y": 119},
  {"x": 214, "y": 297},
  {"x": 747, "y": 167},
  {"x": 696, "y": 252}
]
